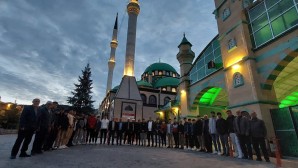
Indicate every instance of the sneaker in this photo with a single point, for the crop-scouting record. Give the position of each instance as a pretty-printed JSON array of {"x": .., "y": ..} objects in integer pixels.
[
  {"x": 218, "y": 153},
  {"x": 185, "y": 148},
  {"x": 215, "y": 152},
  {"x": 194, "y": 148}
]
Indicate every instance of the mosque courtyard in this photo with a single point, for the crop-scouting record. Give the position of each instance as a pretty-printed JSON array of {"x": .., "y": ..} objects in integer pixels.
[{"x": 103, "y": 156}]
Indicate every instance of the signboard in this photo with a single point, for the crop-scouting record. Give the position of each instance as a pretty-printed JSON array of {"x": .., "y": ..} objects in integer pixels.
[{"x": 128, "y": 110}]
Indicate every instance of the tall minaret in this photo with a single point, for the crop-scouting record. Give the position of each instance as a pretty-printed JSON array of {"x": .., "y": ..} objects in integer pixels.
[
  {"x": 111, "y": 63},
  {"x": 133, "y": 9}
]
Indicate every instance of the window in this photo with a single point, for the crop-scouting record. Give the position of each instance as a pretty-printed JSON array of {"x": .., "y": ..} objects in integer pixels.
[
  {"x": 167, "y": 100},
  {"x": 159, "y": 72},
  {"x": 164, "y": 89},
  {"x": 167, "y": 73},
  {"x": 269, "y": 19},
  {"x": 144, "y": 98},
  {"x": 174, "y": 75},
  {"x": 226, "y": 13},
  {"x": 152, "y": 100},
  {"x": 174, "y": 90}
]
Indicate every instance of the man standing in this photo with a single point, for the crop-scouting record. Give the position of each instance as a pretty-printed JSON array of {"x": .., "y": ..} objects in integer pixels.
[
  {"x": 206, "y": 135},
  {"x": 119, "y": 130},
  {"x": 127, "y": 132},
  {"x": 157, "y": 132},
  {"x": 54, "y": 127},
  {"x": 181, "y": 134},
  {"x": 104, "y": 129},
  {"x": 232, "y": 135},
  {"x": 170, "y": 134},
  {"x": 143, "y": 132},
  {"x": 242, "y": 131},
  {"x": 187, "y": 133},
  {"x": 137, "y": 129},
  {"x": 27, "y": 126},
  {"x": 112, "y": 129},
  {"x": 150, "y": 130},
  {"x": 258, "y": 133},
  {"x": 222, "y": 130},
  {"x": 199, "y": 125},
  {"x": 44, "y": 127},
  {"x": 213, "y": 133}
]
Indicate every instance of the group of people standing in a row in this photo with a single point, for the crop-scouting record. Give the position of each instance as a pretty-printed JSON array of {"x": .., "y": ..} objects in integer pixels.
[{"x": 58, "y": 129}]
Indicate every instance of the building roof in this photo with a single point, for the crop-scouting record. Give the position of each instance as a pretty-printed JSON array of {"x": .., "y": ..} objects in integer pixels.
[
  {"x": 115, "y": 88},
  {"x": 167, "y": 81},
  {"x": 160, "y": 66},
  {"x": 144, "y": 84}
]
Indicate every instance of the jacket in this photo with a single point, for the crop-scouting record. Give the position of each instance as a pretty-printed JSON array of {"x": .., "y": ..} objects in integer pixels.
[
  {"x": 44, "y": 118},
  {"x": 242, "y": 126},
  {"x": 198, "y": 127},
  {"x": 28, "y": 119},
  {"x": 257, "y": 128},
  {"x": 230, "y": 123},
  {"x": 221, "y": 126},
  {"x": 91, "y": 122}
]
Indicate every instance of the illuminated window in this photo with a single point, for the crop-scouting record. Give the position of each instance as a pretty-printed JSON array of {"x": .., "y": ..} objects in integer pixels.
[
  {"x": 174, "y": 75},
  {"x": 159, "y": 72},
  {"x": 164, "y": 89},
  {"x": 174, "y": 90}
]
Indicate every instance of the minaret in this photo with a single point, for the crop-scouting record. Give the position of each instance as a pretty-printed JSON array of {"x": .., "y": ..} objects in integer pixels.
[
  {"x": 133, "y": 9},
  {"x": 111, "y": 63},
  {"x": 128, "y": 102},
  {"x": 185, "y": 58}
]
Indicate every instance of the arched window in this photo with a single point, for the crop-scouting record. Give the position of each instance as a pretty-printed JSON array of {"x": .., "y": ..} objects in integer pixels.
[
  {"x": 144, "y": 98},
  {"x": 174, "y": 75},
  {"x": 152, "y": 99},
  {"x": 167, "y": 100},
  {"x": 174, "y": 90}
]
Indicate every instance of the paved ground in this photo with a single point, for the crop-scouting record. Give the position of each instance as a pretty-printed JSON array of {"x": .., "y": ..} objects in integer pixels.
[{"x": 103, "y": 156}]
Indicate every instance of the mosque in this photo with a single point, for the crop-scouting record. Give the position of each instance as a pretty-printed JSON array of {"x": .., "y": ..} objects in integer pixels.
[{"x": 251, "y": 65}]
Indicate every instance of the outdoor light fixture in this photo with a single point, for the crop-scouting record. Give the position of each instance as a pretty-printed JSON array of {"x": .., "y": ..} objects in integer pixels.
[{"x": 236, "y": 66}]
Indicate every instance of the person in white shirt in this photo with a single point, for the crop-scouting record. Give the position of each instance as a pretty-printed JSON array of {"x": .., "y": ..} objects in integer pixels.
[
  {"x": 104, "y": 129},
  {"x": 150, "y": 132}
]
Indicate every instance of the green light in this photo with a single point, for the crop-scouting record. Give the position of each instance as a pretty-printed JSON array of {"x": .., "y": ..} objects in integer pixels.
[
  {"x": 290, "y": 100},
  {"x": 210, "y": 96}
]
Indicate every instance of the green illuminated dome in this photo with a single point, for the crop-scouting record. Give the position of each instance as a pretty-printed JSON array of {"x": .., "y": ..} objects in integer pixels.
[
  {"x": 168, "y": 81},
  {"x": 159, "y": 66},
  {"x": 144, "y": 84}
]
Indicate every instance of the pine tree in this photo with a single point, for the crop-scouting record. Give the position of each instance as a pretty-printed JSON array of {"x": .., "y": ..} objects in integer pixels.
[{"x": 82, "y": 99}]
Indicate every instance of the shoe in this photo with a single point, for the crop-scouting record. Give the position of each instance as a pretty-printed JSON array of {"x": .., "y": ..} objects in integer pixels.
[
  {"x": 258, "y": 159},
  {"x": 218, "y": 153},
  {"x": 189, "y": 148},
  {"x": 267, "y": 160},
  {"x": 215, "y": 152},
  {"x": 12, "y": 157},
  {"x": 24, "y": 155}
]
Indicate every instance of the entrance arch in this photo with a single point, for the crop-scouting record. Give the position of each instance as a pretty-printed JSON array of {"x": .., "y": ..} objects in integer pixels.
[{"x": 210, "y": 99}]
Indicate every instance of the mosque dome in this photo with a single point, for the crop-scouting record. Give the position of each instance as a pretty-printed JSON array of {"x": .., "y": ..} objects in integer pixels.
[
  {"x": 144, "y": 84},
  {"x": 167, "y": 81},
  {"x": 159, "y": 66}
]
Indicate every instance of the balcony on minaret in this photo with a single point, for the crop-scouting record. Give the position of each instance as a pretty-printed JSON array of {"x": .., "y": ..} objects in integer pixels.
[{"x": 114, "y": 44}]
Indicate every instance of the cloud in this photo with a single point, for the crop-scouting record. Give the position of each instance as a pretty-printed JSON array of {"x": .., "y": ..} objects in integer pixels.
[{"x": 44, "y": 45}]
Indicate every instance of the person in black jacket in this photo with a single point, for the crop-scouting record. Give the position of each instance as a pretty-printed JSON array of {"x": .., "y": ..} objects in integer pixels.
[
  {"x": 222, "y": 130},
  {"x": 206, "y": 134},
  {"x": 181, "y": 134},
  {"x": 157, "y": 132},
  {"x": 258, "y": 133},
  {"x": 119, "y": 130},
  {"x": 127, "y": 132},
  {"x": 112, "y": 130},
  {"x": 27, "y": 126},
  {"x": 199, "y": 125},
  {"x": 137, "y": 130},
  {"x": 232, "y": 134},
  {"x": 143, "y": 132},
  {"x": 44, "y": 127}
]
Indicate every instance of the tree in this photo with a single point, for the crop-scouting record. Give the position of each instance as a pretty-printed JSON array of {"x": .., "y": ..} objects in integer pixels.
[{"x": 82, "y": 99}]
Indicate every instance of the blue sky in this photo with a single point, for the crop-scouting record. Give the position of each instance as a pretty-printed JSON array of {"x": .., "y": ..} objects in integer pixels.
[{"x": 44, "y": 44}]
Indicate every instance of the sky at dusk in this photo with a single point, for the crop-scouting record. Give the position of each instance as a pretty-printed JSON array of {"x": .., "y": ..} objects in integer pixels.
[{"x": 44, "y": 44}]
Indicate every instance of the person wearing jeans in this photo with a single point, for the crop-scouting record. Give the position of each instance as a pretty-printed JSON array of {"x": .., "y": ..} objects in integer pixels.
[
  {"x": 232, "y": 135},
  {"x": 222, "y": 130}
]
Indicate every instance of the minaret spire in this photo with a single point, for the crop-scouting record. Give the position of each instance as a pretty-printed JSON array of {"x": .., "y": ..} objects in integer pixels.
[
  {"x": 111, "y": 63},
  {"x": 133, "y": 10}
]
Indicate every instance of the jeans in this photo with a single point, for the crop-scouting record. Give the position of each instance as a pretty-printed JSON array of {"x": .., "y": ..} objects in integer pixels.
[
  {"x": 225, "y": 143},
  {"x": 257, "y": 143},
  {"x": 236, "y": 145},
  {"x": 216, "y": 143}
]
